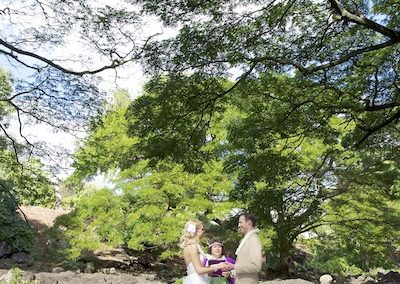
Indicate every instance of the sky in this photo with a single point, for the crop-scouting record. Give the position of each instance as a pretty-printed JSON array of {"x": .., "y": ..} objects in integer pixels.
[{"x": 131, "y": 78}]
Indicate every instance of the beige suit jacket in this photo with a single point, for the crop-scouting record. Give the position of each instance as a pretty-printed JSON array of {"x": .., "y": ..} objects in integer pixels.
[{"x": 249, "y": 261}]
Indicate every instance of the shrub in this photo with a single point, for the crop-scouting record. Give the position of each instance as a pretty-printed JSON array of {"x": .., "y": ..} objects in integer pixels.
[{"x": 14, "y": 231}]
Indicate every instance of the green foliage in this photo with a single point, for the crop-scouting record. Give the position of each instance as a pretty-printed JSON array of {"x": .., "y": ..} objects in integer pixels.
[
  {"x": 165, "y": 123},
  {"x": 108, "y": 146},
  {"x": 348, "y": 64},
  {"x": 156, "y": 198},
  {"x": 361, "y": 232},
  {"x": 27, "y": 180},
  {"x": 165, "y": 197},
  {"x": 23, "y": 181},
  {"x": 97, "y": 222},
  {"x": 147, "y": 209},
  {"x": 14, "y": 231},
  {"x": 317, "y": 102},
  {"x": 5, "y": 91},
  {"x": 282, "y": 174},
  {"x": 337, "y": 265},
  {"x": 266, "y": 236},
  {"x": 269, "y": 148},
  {"x": 30, "y": 184}
]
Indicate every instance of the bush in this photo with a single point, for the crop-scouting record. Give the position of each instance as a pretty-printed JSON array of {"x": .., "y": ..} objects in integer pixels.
[
  {"x": 337, "y": 265},
  {"x": 14, "y": 231},
  {"x": 96, "y": 223}
]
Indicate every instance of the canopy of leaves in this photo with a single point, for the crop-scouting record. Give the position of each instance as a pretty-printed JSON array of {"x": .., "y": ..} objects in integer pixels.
[
  {"x": 349, "y": 49},
  {"x": 285, "y": 156},
  {"x": 97, "y": 222},
  {"x": 163, "y": 199},
  {"x": 164, "y": 120},
  {"x": 150, "y": 202},
  {"x": 148, "y": 209},
  {"x": 108, "y": 147}
]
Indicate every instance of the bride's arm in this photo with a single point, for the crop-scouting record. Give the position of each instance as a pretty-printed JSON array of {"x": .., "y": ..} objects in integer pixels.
[{"x": 194, "y": 258}]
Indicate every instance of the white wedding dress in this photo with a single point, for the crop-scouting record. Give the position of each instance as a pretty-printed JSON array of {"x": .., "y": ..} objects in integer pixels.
[{"x": 192, "y": 276}]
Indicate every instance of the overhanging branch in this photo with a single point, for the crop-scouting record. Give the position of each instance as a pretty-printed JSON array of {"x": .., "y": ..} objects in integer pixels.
[{"x": 360, "y": 19}]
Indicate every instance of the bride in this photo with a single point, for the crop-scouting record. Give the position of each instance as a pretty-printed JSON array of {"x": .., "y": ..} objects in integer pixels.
[{"x": 194, "y": 255}]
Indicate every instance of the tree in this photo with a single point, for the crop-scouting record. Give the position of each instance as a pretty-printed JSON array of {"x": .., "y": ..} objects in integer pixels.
[
  {"x": 22, "y": 181},
  {"x": 150, "y": 201},
  {"x": 306, "y": 64},
  {"x": 360, "y": 231},
  {"x": 108, "y": 147},
  {"x": 56, "y": 52},
  {"x": 163, "y": 199},
  {"x": 284, "y": 167},
  {"x": 347, "y": 48},
  {"x": 166, "y": 123}
]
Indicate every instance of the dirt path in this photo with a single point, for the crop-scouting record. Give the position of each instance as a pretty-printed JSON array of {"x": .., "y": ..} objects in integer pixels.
[{"x": 40, "y": 217}]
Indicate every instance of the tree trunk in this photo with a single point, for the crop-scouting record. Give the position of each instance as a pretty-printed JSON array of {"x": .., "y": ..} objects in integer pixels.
[{"x": 284, "y": 245}]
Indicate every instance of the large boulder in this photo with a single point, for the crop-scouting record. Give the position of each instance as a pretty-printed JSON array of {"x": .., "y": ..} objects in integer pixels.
[
  {"x": 6, "y": 278},
  {"x": 5, "y": 249},
  {"x": 389, "y": 278},
  {"x": 21, "y": 257},
  {"x": 69, "y": 277},
  {"x": 326, "y": 279}
]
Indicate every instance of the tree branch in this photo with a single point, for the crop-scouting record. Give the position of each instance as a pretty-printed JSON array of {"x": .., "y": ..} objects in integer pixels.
[
  {"x": 114, "y": 63},
  {"x": 363, "y": 21},
  {"x": 13, "y": 143},
  {"x": 371, "y": 130}
]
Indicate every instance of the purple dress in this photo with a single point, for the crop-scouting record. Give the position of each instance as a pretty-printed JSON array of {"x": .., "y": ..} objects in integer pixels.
[{"x": 212, "y": 260}]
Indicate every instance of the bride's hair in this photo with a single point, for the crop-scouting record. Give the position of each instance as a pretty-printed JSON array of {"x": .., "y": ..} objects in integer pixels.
[{"x": 189, "y": 233}]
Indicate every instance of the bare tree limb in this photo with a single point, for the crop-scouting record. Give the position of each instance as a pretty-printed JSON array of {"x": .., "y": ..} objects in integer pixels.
[{"x": 360, "y": 19}]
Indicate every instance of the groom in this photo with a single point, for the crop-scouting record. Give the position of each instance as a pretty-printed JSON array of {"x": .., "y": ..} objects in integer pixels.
[{"x": 249, "y": 258}]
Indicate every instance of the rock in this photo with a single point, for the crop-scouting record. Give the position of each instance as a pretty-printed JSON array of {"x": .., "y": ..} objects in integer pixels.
[
  {"x": 151, "y": 277},
  {"x": 27, "y": 276},
  {"x": 6, "y": 278},
  {"x": 288, "y": 281},
  {"x": 340, "y": 280},
  {"x": 89, "y": 267},
  {"x": 61, "y": 244},
  {"x": 113, "y": 270},
  {"x": 21, "y": 257},
  {"x": 326, "y": 279},
  {"x": 3, "y": 272},
  {"x": 57, "y": 269},
  {"x": 353, "y": 280},
  {"x": 144, "y": 262},
  {"x": 380, "y": 271},
  {"x": 369, "y": 280},
  {"x": 55, "y": 278},
  {"x": 361, "y": 278},
  {"x": 390, "y": 278},
  {"x": 5, "y": 249}
]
